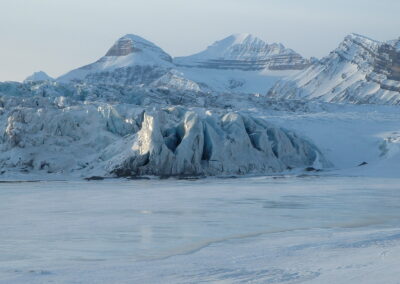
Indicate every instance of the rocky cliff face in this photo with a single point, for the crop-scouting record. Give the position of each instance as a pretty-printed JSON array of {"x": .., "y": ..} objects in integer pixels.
[
  {"x": 123, "y": 47},
  {"x": 387, "y": 61},
  {"x": 245, "y": 52},
  {"x": 360, "y": 70}
]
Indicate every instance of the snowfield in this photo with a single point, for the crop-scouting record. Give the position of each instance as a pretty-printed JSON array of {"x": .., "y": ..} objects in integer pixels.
[{"x": 258, "y": 230}]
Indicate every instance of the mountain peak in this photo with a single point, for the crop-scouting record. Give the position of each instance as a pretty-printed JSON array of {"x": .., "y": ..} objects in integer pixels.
[
  {"x": 240, "y": 38},
  {"x": 360, "y": 38},
  {"x": 129, "y": 51},
  {"x": 245, "y": 52},
  {"x": 237, "y": 41},
  {"x": 123, "y": 47},
  {"x": 131, "y": 43},
  {"x": 38, "y": 76}
]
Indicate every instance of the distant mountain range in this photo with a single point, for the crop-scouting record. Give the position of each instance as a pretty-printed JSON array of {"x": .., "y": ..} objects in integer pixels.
[
  {"x": 360, "y": 70},
  {"x": 240, "y": 63}
]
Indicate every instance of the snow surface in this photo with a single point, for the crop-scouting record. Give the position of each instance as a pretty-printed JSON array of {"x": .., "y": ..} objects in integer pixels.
[
  {"x": 234, "y": 81},
  {"x": 258, "y": 230},
  {"x": 349, "y": 135}
]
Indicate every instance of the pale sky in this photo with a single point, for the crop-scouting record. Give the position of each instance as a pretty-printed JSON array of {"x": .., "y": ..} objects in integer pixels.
[{"x": 58, "y": 35}]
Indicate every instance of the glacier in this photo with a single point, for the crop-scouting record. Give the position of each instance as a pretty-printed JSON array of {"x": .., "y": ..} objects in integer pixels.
[{"x": 59, "y": 129}]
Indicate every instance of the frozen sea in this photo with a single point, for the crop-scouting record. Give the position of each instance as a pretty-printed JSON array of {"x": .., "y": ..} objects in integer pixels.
[{"x": 244, "y": 230}]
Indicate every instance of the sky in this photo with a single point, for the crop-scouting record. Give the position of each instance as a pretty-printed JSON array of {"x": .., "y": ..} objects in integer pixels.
[{"x": 59, "y": 35}]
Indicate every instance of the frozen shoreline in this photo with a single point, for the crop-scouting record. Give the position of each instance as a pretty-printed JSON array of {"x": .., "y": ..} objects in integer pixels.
[{"x": 259, "y": 229}]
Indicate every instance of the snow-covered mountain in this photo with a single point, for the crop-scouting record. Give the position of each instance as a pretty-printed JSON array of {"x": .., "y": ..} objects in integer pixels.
[
  {"x": 241, "y": 63},
  {"x": 360, "y": 70},
  {"x": 245, "y": 52},
  {"x": 132, "y": 61},
  {"x": 130, "y": 51},
  {"x": 245, "y": 64},
  {"x": 38, "y": 76}
]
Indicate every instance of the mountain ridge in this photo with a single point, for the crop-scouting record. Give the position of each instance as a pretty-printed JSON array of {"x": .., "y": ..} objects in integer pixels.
[
  {"x": 360, "y": 70},
  {"x": 244, "y": 52},
  {"x": 135, "y": 61}
]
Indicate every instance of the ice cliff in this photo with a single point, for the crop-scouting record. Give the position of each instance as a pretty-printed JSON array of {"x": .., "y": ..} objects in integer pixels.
[
  {"x": 68, "y": 130},
  {"x": 177, "y": 141}
]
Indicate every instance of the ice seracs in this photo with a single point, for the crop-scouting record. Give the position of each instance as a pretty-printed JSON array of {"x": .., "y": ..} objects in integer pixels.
[
  {"x": 360, "y": 70},
  {"x": 70, "y": 132},
  {"x": 177, "y": 141}
]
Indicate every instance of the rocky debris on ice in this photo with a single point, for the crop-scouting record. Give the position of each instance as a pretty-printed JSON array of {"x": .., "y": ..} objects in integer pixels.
[{"x": 360, "y": 70}]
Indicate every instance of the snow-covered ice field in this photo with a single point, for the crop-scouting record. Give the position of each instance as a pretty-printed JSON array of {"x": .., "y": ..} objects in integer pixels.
[{"x": 255, "y": 229}]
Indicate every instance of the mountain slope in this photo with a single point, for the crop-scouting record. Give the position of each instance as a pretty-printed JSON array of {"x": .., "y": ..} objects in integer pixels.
[
  {"x": 128, "y": 52},
  {"x": 245, "y": 52},
  {"x": 360, "y": 70},
  {"x": 241, "y": 63},
  {"x": 132, "y": 61},
  {"x": 249, "y": 65}
]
